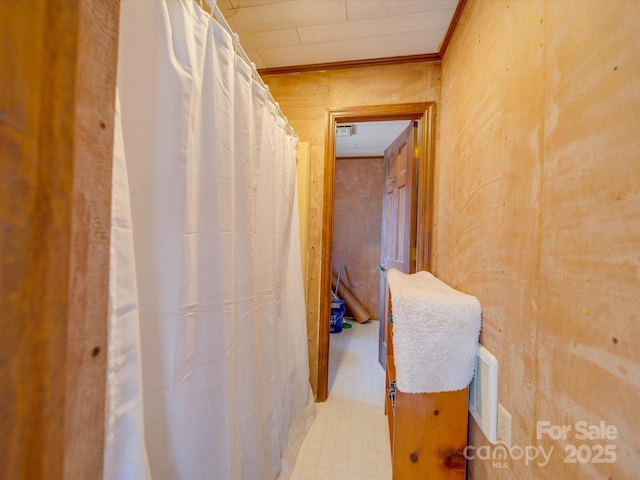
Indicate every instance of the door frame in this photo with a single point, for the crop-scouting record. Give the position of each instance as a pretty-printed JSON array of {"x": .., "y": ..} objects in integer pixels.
[{"x": 423, "y": 111}]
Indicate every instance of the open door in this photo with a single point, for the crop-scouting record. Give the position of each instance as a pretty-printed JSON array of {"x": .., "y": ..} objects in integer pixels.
[{"x": 398, "y": 220}]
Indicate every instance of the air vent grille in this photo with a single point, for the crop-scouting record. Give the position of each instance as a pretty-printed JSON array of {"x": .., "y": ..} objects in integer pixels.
[{"x": 483, "y": 393}]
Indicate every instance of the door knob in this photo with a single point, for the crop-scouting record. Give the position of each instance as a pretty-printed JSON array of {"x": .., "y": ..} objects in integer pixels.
[{"x": 381, "y": 268}]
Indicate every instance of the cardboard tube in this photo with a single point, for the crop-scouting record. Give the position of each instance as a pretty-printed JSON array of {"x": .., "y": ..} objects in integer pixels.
[{"x": 355, "y": 307}]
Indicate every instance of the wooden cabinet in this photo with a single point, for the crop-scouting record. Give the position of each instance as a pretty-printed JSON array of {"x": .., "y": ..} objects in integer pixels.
[{"x": 428, "y": 431}]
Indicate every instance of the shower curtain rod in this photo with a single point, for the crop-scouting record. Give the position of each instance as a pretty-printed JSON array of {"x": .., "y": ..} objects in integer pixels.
[{"x": 216, "y": 14}]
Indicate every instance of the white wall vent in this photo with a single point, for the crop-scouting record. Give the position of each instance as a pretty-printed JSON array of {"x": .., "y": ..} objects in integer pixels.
[
  {"x": 483, "y": 393},
  {"x": 344, "y": 130}
]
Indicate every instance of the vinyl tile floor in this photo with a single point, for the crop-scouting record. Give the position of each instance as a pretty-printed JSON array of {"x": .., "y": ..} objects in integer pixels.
[{"x": 349, "y": 439}]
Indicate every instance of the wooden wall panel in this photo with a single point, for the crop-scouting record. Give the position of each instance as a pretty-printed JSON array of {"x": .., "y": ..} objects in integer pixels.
[
  {"x": 305, "y": 98},
  {"x": 86, "y": 382},
  {"x": 303, "y": 170},
  {"x": 406, "y": 83},
  {"x": 538, "y": 216},
  {"x": 590, "y": 225},
  {"x": 35, "y": 198},
  {"x": 314, "y": 261},
  {"x": 57, "y": 88}
]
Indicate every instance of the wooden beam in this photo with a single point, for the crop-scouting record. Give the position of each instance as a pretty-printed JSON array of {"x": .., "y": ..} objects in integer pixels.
[
  {"x": 56, "y": 128},
  {"x": 95, "y": 82}
]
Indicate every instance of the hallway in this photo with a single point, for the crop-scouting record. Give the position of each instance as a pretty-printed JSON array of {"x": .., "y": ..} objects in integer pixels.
[{"x": 349, "y": 439}]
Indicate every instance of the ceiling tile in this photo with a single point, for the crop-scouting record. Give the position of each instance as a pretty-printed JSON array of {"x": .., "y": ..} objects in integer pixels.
[
  {"x": 283, "y": 33},
  {"x": 251, "y": 3},
  {"x": 284, "y": 15},
  {"x": 274, "y": 39},
  {"x": 363, "y": 9},
  {"x": 436, "y": 20},
  {"x": 224, "y": 5},
  {"x": 370, "y": 138},
  {"x": 365, "y": 48},
  {"x": 255, "y": 57}
]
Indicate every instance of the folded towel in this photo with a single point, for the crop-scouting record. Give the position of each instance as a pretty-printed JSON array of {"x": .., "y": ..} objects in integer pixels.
[{"x": 435, "y": 333}]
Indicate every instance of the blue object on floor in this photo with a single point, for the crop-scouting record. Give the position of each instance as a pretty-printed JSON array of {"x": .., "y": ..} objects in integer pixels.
[{"x": 337, "y": 315}]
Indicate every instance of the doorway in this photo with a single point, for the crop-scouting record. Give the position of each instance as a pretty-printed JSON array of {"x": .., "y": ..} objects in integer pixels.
[
  {"x": 358, "y": 219},
  {"x": 422, "y": 112}
]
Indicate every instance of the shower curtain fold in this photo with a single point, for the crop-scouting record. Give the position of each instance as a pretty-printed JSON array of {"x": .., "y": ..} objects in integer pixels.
[{"x": 208, "y": 369}]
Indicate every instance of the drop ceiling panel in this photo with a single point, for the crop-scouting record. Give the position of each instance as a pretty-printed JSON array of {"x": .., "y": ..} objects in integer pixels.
[
  {"x": 255, "y": 18},
  {"x": 375, "y": 26},
  {"x": 283, "y": 33},
  {"x": 357, "y": 49},
  {"x": 273, "y": 39},
  {"x": 251, "y": 3},
  {"x": 255, "y": 57},
  {"x": 222, "y": 4},
  {"x": 363, "y": 9}
]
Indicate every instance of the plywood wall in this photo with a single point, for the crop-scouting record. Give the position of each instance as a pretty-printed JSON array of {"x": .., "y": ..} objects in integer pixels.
[
  {"x": 305, "y": 98},
  {"x": 357, "y": 227},
  {"x": 57, "y": 94},
  {"x": 538, "y": 215},
  {"x": 303, "y": 163}
]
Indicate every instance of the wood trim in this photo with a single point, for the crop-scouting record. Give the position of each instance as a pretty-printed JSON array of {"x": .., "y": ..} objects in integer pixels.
[
  {"x": 372, "y": 62},
  {"x": 325, "y": 263},
  {"x": 426, "y": 191},
  {"x": 95, "y": 88},
  {"x": 452, "y": 28},
  {"x": 56, "y": 85},
  {"x": 408, "y": 111}
]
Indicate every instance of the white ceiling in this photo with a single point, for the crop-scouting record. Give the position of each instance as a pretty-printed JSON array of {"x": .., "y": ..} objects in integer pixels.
[
  {"x": 288, "y": 33},
  {"x": 282, "y": 33},
  {"x": 369, "y": 139}
]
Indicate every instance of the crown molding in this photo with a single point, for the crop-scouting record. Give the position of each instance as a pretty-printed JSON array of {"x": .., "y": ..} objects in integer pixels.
[
  {"x": 428, "y": 57},
  {"x": 452, "y": 27}
]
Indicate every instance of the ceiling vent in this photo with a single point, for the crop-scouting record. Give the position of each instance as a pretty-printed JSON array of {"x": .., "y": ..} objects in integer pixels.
[{"x": 344, "y": 130}]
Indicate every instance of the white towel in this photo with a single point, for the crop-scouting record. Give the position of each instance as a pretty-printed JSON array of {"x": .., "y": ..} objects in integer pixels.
[{"x": 435, "y": 333}]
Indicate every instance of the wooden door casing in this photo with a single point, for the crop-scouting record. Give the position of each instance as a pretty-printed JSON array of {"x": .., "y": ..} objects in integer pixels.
[{"x": 319, "y": 289}]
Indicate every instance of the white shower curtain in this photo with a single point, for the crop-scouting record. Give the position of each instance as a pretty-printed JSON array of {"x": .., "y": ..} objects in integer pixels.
[{"x": 208, "y": 371}]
